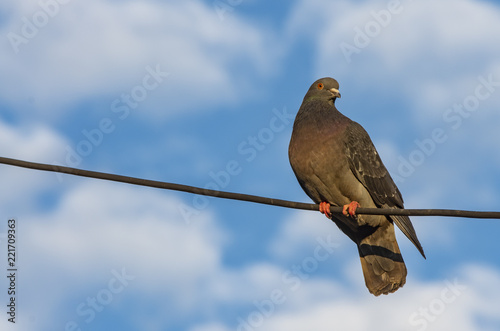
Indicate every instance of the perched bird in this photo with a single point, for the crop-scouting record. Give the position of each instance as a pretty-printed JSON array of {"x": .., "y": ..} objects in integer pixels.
[{"x": 337, "y": 164}]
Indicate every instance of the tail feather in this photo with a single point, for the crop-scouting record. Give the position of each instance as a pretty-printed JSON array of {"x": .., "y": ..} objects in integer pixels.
[
  {"x": 404, "y": 224},
  {"x": 383, "y": 266}
]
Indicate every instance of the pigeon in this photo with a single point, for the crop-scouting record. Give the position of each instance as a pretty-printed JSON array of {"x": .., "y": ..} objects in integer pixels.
[{"x": 336, "y": 164}]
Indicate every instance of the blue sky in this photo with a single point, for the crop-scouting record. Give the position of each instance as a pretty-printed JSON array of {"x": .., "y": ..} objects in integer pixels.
[{"x": 204, "y": 93}]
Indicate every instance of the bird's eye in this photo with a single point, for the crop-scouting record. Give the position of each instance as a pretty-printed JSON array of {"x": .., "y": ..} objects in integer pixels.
[{"x": 320, "y": 86}]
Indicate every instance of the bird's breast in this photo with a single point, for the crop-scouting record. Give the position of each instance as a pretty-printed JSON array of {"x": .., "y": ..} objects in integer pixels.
[{"x": 317, "y": 157}]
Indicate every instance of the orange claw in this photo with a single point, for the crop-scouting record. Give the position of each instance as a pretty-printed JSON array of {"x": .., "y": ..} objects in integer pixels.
[
  {"x": 324, "y": 208},
  {"x": 350, "y": 209}
]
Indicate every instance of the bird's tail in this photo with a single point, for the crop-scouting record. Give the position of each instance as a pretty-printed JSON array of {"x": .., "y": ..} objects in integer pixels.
[{"x": 381, "y": 260}]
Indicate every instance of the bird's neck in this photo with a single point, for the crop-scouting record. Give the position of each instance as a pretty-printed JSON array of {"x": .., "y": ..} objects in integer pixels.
[{"x": 317, "y": 108}]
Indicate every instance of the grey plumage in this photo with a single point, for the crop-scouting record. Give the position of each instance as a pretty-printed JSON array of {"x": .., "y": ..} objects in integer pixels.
[{"x": 335, "y": 161}]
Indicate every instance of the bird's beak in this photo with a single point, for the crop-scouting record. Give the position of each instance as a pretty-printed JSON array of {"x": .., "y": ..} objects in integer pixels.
[{"x": 335, "y": 92}]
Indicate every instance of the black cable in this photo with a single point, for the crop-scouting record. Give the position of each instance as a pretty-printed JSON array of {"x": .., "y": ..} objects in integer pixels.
[{"x": 243, "y": 197}]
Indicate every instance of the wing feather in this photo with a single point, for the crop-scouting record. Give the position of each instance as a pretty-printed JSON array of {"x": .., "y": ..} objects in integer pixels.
[{"x": 366, "y": 165}]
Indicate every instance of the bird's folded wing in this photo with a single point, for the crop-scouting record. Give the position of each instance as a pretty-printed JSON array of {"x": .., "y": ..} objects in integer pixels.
[{"x": 366, "y": 165}]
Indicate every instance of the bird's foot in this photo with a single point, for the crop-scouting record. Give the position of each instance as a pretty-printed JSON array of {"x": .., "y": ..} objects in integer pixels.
[
  {"x": 324, "y": 208},
  {"x": 350, "y": 209}
]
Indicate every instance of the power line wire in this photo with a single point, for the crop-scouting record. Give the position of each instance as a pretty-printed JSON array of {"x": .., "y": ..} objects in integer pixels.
[{"x": 243, "y": 197}]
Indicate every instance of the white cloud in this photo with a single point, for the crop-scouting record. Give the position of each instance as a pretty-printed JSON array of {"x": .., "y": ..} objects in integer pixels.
[
  {"x": 35, "y": 143},
  {"x": 101, "y": 48},
  {"x": 70, "y": 253},
  {"x": 133, "y": 227},
  {"x": 453, "y": 303}
]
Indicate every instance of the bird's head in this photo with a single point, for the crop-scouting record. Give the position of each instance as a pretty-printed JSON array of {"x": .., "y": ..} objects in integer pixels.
[{"x": 325, "y": 88}]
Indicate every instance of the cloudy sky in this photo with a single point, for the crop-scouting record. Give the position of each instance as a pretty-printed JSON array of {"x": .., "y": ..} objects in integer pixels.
[{"x": 204, "y": 93}]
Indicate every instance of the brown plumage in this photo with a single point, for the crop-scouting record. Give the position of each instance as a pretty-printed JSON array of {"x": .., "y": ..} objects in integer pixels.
[{"x": 336, "y": 162}]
